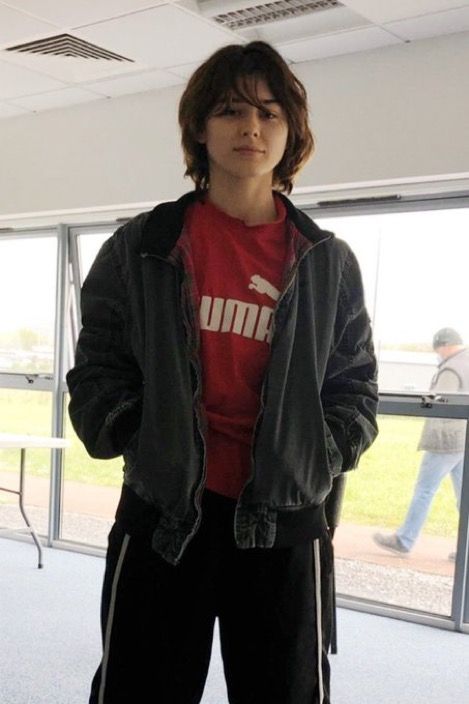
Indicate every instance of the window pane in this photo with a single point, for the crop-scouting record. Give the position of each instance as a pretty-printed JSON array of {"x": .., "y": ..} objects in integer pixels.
[
  {"x": 91, "y": 488},
  {"x": 27, "y": 291},
  {"x": 414, "y": 269},
  {"x": 25, "y": 412},
  {"x": 377, "y": 500},
  {"x": 88, "y": 247}
]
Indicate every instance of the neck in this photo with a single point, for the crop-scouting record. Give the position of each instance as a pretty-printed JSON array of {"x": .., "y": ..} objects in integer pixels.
[{"x": 252, "y": 203}]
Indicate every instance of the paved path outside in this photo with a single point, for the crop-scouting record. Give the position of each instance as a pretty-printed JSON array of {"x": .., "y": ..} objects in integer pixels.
[
  {"x": 351, "y": 542},
  {"x": 430, "y": 553},
  {"x": 78, "y": 497}
]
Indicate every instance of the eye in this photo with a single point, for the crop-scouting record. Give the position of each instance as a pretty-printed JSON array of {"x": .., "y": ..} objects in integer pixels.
[
  {"x": 268, "y": 115},
  {"x": 228, "y": 111}
]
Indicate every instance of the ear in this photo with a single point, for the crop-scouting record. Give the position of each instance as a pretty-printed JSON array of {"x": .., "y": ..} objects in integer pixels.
[{"x": 200, "y": 134}]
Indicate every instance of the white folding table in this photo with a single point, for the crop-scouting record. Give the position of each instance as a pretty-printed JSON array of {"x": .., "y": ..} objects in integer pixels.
[{"x": 22, "y": 443}]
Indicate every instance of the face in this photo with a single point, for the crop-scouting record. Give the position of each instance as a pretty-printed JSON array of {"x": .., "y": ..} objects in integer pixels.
[
  {"x": 445, "y": 351},
  {"x": 244, "y": 141}
]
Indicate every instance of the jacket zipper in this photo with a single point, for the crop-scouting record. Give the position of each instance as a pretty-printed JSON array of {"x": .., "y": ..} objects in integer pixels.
[
  {"x": 196, "y": 398},
  {"x": 194, "y": 361}
]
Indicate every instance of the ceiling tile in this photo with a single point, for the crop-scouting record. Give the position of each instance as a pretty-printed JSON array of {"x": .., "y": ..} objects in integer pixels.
[
  {"x": 16, "y": 81},
  {"x": 162, "y": 37},
  {"x": 57, "y": 99},
  {"x": 432, "y": 25},
  {"x": 73, "y": 14},
  {"x": 381, "y": 12},
  {"x": 10, "y": 110},
  {"x": 148, "y": 80},
  {"x": 324, "y": 22},
  {"x": 336, "y": 44},
  {"x": 16, "y": 27},
  {"x": 185, "y": 70}
]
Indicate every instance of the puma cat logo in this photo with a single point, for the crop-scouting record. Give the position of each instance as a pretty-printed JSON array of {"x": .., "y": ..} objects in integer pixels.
[{"x": 263, "y": 286}]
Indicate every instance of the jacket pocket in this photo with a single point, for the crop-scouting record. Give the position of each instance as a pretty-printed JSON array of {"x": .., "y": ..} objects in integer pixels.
[{"x": 334, "y": 456}]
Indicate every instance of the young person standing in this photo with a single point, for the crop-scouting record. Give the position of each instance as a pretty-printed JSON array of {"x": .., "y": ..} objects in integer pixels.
[{"x": 226, "y": 352}]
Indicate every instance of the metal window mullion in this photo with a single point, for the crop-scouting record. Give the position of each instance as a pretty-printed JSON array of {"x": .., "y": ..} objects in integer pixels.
[
  {"x": 460, "y": 600},
  {"x": 26, "y": 382},
  {"x": 58, "y": 398},
  {"x": 451, "y": 407},
  {"x": 76, "y": 269}
]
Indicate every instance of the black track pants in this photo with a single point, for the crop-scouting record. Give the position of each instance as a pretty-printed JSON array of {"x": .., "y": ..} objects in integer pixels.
[{"x": 273, "y": 608}]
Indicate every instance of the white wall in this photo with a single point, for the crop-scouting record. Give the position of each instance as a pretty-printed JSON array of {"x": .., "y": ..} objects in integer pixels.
[
  {"x": 393, "y": 113},
  {"x": 397, "y": 112}
]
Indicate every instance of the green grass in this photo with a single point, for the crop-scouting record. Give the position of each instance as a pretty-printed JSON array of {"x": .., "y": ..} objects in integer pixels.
[{"x": 378, "y": 492}]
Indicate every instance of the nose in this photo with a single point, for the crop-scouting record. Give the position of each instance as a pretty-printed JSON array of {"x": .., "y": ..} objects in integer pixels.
[{"x": 251, "y": 126}]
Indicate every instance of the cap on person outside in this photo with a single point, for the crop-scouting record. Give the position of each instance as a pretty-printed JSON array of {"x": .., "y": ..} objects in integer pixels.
[{"x": 446, "y": 336}]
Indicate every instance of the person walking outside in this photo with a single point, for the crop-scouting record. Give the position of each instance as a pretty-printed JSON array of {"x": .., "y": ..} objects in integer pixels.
[
  {"x": 226, "y": 353},
  {"x": 443, "y": 442}
]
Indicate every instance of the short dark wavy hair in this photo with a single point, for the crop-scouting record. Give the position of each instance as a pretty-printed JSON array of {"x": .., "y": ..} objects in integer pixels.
[{"x": 226, "y": 72}]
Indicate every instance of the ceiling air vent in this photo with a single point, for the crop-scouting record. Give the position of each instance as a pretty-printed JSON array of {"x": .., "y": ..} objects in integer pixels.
[
  {"x": 67, "y": 45},
  {"x": 271, "y": 12}
]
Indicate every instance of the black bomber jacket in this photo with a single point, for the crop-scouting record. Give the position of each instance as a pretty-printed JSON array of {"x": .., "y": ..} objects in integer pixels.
[{"x": 136, "y": 384}]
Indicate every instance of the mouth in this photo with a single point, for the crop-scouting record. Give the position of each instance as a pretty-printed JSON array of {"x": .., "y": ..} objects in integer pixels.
[{"x": 248, "y": 150}]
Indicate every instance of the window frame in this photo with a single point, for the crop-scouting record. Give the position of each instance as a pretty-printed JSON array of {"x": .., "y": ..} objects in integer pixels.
[{"x": 67, "y": 316}]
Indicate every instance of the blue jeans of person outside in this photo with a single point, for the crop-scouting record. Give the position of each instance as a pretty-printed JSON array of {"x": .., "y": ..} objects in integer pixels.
[{"x": 433, "y": 469}]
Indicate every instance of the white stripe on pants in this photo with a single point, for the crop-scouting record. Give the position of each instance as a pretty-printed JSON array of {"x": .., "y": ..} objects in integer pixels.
[
  {"x": 317, "y": 582},
  {"x": 107, "y": 640}
]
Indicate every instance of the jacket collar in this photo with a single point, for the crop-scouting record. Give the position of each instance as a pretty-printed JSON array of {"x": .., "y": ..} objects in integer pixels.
[
  {"x": 165, "y": 223},
  {"x": 303, "y": 222}
]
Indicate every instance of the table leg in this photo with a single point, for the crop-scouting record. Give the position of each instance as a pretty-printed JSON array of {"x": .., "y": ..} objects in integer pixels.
[{"x": 22, "y": 509}]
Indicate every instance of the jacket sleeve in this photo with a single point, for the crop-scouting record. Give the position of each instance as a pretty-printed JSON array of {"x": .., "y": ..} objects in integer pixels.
[
  {"x": 350, "y": 393},
  {"x": 106, "y": 383}
]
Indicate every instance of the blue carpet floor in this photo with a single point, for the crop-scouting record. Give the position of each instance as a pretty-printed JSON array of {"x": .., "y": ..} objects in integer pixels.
[{"x": 50, "y": 642}]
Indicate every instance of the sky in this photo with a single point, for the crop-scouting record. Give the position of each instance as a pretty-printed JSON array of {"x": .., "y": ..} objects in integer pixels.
[
  {"x": 28, "y": 280},
  {"x": 422, "y": 262}
]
